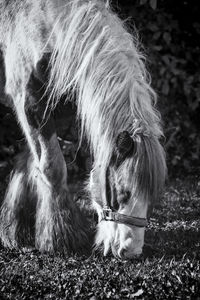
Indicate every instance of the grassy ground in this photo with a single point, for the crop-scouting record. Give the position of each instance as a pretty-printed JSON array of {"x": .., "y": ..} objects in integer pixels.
[{"x": 169, "y": 268}]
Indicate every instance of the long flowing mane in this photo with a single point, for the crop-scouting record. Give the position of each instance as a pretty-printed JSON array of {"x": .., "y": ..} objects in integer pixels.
[{"x": 96, "y": 57}]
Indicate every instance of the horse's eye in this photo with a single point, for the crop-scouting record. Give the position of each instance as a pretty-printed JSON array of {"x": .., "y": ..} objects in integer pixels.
[{"x": 124, "y": 197}]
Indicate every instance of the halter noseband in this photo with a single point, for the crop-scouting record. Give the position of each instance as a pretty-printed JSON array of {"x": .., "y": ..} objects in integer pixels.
[{"x": 109, "y": 215}]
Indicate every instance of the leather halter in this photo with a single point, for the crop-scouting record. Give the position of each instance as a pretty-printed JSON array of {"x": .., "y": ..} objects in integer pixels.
[{"x": 108, "y": 214}]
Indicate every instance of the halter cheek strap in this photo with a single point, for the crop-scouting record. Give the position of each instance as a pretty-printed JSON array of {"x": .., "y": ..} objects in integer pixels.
[{"x": 108, "y": 214}]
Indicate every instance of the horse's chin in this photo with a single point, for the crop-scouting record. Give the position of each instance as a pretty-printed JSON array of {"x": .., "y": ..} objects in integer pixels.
[{"x": 108, "y": 239}]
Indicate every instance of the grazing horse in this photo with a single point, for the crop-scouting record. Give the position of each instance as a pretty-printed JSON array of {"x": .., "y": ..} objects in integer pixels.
[{"x": 51, "y": 49}]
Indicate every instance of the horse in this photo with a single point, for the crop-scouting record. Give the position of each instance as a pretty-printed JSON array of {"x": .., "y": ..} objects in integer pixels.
[{"x": 51, "y": 49}]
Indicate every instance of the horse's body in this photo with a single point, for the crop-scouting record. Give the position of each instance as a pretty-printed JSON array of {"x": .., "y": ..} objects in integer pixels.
[{"x": 49, "y": 48}]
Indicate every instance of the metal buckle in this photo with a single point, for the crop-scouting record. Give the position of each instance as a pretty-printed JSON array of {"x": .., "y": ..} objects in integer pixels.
[{"x": 107, "y": 214}]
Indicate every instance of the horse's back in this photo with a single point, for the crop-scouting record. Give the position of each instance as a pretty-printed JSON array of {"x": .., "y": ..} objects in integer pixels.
[
  {"x": 25, "y": 27},
  {"x": 30, "y": 10},
  {"x": 18, "y": 15},
  {"x": 28, "y": 28}
]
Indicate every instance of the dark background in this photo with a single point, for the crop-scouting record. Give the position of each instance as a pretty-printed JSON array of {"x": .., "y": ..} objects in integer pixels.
[{"x": 169, "y": 32}]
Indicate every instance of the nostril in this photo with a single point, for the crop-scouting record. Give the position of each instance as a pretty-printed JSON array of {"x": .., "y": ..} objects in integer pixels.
[{"x": 124, "y": 253}]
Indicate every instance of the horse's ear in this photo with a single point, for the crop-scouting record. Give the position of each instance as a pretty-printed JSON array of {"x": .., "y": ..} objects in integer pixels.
[{"x": 124, "y": 143}]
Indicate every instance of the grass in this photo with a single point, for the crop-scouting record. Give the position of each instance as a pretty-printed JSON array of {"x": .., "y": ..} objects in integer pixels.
[{"x": 169, "y": 268}]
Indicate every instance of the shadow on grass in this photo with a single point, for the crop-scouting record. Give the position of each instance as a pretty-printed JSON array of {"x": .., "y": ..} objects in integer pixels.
[{"x": 175, "y": 242}]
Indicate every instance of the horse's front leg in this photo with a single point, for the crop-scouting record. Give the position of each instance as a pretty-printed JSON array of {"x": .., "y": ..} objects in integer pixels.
[
  {"x": 17, "y": 213},
  {"x": 59, "y": 226}
]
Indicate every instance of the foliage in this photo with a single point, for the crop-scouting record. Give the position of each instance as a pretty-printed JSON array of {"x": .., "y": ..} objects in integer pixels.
[
  {"x": 152, "y": 3},
  {"x": 170, "y": 36}
]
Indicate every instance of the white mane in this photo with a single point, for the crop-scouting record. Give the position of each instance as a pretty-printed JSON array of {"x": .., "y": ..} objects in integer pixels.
[{"x": 98, "y": 59}]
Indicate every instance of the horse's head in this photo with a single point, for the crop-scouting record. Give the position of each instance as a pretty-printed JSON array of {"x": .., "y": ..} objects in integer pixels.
[{"x": 123, "y": 193}]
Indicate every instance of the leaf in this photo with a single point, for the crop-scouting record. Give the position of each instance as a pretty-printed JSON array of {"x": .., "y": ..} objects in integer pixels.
[
  {"x": 157, "y": 48},
  {"x": 165, "y": 88},
  {"x": 166, "y": 59},
  {"x": 156, "y": 35},
  {"x": 153, "y": 27},
  {"x": 153, "y": 4},
  {"x": 3, "y": 164},
  {"x": 179, "y": 280},
  {"x": 142, "y": 2},
  {"x": 137, "y": 294},
  {"x": 167, "y": 37}
]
